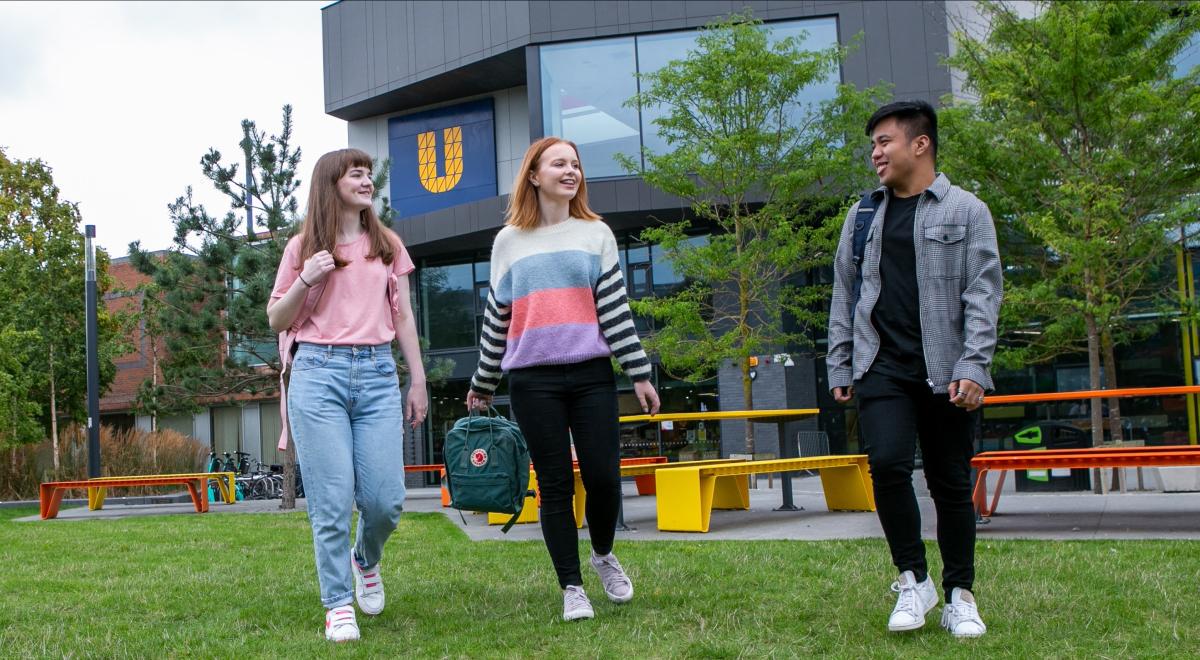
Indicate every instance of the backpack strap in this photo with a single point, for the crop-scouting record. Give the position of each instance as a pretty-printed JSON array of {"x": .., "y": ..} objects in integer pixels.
[
  {"x": 511, "y": 521},
  {"x": 862, "y": 225},
  {"x": 287, "y": 347}
]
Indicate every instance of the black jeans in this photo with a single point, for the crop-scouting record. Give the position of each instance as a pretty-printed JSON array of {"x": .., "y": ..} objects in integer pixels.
[
  {"x": 893, "y": 414},
  {"x": 553, "y": 405}
]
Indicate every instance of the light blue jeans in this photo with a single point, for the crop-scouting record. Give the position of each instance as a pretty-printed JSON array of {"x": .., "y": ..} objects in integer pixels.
[{"x": 347, "y": 420}]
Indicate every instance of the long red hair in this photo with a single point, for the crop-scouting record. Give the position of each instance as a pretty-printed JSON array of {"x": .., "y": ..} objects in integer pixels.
[
  {"x": 523, "y": 202},
  {"x": 320, "y": 228}
]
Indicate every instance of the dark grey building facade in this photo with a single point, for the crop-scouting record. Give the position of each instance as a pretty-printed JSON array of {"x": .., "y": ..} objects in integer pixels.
[{"x": 453, "y": 93}]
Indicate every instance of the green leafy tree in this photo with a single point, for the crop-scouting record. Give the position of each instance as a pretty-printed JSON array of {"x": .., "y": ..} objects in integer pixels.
[
  {"x": 20, "y": 417},
  {"x": 42, "y": 293},
  {"x": 768, "y": 173},
  {"x": 1082, "y": 139}
]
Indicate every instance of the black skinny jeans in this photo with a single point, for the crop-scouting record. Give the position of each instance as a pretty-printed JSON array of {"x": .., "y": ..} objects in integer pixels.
[
  {"x": 893, "y": 415},
  {"x": 554, "y": 404}
]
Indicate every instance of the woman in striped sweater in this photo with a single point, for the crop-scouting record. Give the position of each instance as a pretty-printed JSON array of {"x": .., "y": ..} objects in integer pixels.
[{"x": 556, "y": 314}]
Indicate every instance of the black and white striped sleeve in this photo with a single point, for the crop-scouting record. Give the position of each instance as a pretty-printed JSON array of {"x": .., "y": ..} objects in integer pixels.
[
  {"x": 616, "y": 324},
  {"x": 492, "y": 342}
]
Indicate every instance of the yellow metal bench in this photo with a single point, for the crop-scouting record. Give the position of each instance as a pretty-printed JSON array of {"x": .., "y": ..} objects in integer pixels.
[
  {"x": 650, "y": 469},
  {"x": 688, "y": 494},
  {"x": 97, "y": 487},
  {"x": 779, "y": 417}
]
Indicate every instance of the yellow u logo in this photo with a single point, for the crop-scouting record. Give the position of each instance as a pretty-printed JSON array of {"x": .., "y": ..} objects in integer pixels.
[{"x": 427, "y": 159}]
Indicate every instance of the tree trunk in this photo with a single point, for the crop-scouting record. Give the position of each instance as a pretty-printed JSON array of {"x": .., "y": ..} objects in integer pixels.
[
  {"x": 744, "y": 330},
  {"x": 1093, "y": 347},
  {"x": 748, "y": 399},
  {"x": 288, "y": 500},
  {"x": 1093, "y": 342},
  {"x": 1116, "y": 430},
  {"x": 53, "y": 414}
]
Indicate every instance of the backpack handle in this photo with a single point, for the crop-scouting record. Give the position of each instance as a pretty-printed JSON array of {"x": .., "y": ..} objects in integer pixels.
[{"x": 491, "y": 412}]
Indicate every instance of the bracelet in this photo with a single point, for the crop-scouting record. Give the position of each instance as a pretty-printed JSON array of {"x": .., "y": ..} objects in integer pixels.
[{"x": 303, "y": 280}]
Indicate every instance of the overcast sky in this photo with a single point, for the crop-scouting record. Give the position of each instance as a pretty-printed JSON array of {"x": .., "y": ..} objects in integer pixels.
[{"x": 122, "y": 99}]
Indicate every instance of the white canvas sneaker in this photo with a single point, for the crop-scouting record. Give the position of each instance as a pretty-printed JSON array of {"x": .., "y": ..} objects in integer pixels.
[
  {"x": 617, "y": 585},
  {"x": 961, "y": 616},
  {"x": 576, "y": 604},
  {"x": 368, "y": 587},
  {"x": 914, "y": 601},
  {"x": 340, "y": 625}
]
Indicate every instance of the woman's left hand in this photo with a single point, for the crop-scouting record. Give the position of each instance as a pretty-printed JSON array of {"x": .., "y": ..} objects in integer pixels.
[
  {"x": 647, "y": 396},
  {"x": 417, "y": 405}
]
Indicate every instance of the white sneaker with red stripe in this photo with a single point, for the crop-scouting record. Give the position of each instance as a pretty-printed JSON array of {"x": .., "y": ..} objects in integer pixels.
[
  {"x": 340, "y": 625},
  {"x": 368, "y": 587}
]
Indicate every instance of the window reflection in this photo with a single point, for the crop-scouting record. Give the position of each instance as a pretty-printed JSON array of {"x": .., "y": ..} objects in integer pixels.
[
  {"x": 654, "y": 52},
  {"x": 584, "y": 87},
  {"x": 448, "y": 303}
]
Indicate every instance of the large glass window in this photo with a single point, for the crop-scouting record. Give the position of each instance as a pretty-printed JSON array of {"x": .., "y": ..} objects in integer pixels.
[
  {"x": 665, "y": 279},
  {"x": 814, "y": 34},
  {"x": 584, "y": 87},
  {"x": 677, "y": 440},
  {"x": 649, "y": 272},
  {"x": 654, "y": 52},
  {"x": 585, "y": 84},
  {"x": 448, "y": 305},
  {"x": 226, "y": 429}
]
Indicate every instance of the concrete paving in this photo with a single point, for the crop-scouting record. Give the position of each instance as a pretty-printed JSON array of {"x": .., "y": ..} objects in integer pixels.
[{"x": 1075, "y": 515}]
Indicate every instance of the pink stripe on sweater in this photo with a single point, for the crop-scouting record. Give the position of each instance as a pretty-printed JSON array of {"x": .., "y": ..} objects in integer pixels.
[{"x": 550, "y": 307}]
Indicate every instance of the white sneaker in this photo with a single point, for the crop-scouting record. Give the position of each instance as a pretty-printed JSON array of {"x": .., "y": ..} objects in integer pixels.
[
  {"x": 576, "y": 604},
  {"x": 617, "y": 585},
  {"x": 340, "y": 625},
  {"x": 914, "y": 601},
  {"x": 368, "y": 587},
  {"x": 961, "y": 616}
]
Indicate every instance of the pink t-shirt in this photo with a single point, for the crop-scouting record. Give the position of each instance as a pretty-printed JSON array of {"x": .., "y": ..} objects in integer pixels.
[{"x": 359, "y": 300}]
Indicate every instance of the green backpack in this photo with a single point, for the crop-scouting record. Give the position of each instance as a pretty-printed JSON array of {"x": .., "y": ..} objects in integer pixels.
[{"x": 487, "y": 466}]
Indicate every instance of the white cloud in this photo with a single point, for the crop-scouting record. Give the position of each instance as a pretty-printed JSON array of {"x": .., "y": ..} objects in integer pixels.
[{"x": 122, "y": 99}]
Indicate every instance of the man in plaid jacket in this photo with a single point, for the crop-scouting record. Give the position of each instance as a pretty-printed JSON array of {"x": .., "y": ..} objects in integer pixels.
[{"x": 914, "y": 347}]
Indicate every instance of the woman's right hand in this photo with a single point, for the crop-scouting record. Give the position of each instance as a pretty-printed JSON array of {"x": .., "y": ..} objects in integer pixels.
[
  {"x": 477, "y": 401},
  {"x": 317, "y": 267}
]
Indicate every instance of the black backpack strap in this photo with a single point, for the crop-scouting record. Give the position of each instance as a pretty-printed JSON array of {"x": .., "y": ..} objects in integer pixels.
[
  {"x": 862, "y": 225},
  {"x": 511, "y": 521}
]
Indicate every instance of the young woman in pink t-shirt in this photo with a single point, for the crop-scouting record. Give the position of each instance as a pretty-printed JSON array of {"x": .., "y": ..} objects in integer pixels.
[{"x": 341, "y": 296}]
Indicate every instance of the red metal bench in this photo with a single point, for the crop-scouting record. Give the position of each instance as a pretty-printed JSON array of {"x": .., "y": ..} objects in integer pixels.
[
  {"x": 1095, "y": 457},
  {"x": 50, "y": 494}
]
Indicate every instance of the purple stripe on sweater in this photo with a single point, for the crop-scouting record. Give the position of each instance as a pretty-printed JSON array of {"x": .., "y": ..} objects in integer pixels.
[{"x": 558, "y": 344}]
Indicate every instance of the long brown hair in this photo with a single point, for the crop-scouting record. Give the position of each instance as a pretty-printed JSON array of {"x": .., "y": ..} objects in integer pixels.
[
  {"x": 320, "y": 228},
  {"x": 522, "y": 210}
]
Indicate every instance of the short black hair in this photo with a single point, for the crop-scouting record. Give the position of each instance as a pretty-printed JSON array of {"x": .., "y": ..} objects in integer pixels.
[{"x": 917, "y": 117}]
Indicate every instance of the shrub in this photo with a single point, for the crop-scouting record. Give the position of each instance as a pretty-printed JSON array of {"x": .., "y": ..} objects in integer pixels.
[{"x": 122, "y": 452}]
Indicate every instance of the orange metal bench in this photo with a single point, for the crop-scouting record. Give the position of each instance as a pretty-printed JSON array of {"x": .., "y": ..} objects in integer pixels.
[
  {"x": 1095, "y": 457},
  {"x": 50, "y": 494}
]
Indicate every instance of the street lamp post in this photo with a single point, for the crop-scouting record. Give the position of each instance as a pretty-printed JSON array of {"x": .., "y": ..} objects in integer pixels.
[{"x": 93, "y": 360}]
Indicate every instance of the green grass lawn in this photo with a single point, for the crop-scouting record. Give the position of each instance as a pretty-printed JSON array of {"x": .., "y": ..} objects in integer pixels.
[{"x": 244, "y": 586}]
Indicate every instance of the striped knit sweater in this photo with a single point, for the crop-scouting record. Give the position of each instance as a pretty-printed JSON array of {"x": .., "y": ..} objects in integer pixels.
[{"x": 557, "y": 297}]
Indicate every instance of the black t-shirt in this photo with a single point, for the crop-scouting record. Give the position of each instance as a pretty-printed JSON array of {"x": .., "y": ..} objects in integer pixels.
[{"x": 897, "y": 315}]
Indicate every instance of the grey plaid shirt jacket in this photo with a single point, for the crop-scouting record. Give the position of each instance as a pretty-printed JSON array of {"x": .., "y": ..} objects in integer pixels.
[{"x": 959, "y": 284}]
